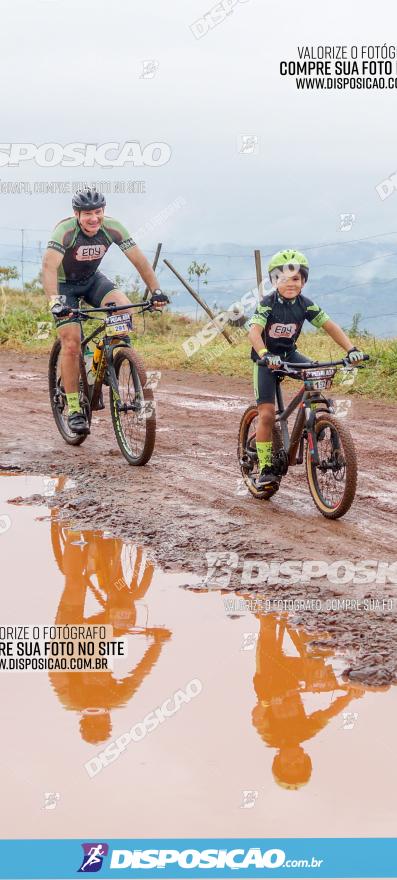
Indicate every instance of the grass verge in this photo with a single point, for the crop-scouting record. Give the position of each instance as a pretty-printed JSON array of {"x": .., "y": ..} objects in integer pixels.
[{"x": 26, "y": 325}]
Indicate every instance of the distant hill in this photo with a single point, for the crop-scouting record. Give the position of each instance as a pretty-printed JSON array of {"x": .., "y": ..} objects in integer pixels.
[{"x": 345, "y": 278}]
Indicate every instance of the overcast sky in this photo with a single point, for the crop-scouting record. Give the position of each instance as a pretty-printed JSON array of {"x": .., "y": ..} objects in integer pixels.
[{"x": 72, "y": 71}]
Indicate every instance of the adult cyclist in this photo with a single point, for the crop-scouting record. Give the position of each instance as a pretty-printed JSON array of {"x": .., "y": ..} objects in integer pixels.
[
  {"x": 71, "y": 272},
  {"x": 274, "y": 329}
]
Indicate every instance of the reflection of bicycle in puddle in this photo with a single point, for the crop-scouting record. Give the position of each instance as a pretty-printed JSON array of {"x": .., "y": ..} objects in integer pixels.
[
  {"x": 109, "y": 577},
  {"x": 288, "y": 682}
]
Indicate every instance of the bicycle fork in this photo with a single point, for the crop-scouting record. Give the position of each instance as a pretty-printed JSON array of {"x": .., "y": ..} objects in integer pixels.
[
  {"x": 114, "y": 385},
  {"x": 310, "y": 420},
  {"x": 310, "y": 425}
]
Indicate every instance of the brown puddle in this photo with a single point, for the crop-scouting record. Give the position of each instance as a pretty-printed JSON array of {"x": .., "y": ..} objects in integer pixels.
[{"x": 274, "y": 744}]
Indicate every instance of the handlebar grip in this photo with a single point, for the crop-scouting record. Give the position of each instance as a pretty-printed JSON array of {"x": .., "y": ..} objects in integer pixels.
[{"x": 60, "y": 312}]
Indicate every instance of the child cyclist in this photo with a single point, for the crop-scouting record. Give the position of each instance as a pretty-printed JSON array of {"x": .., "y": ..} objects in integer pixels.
[{"x": 274, "y": 330}]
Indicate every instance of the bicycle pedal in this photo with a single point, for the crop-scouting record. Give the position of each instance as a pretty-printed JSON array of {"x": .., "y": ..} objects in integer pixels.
[
  {"x": 267, "y": 494},
  {"x": 264, "y": 493},
  {"x": 269, "y": 489}
]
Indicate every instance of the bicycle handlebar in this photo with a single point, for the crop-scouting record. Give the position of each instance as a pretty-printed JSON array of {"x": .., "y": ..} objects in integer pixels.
[
  {"x": 85, "y": 314},
  {"x": 297, "y": 367}
]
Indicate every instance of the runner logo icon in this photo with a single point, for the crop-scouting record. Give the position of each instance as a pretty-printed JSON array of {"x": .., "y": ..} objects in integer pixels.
[{"x": 94, "y": 854}]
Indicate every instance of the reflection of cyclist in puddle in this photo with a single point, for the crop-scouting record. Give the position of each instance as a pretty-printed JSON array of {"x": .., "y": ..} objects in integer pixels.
[
  {"x": 95, "y": 694},
  {"x": 280, "y": 682}
]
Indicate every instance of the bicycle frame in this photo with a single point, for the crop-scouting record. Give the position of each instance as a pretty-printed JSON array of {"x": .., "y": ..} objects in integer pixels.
[
  {"x": 106, "y": 358},
  {"x": 304, "y": 421}
]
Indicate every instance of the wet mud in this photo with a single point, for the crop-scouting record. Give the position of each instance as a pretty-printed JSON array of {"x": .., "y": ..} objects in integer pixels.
[{"x": 188, "y": 501}]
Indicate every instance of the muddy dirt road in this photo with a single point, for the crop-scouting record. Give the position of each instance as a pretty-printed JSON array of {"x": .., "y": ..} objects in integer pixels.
[{"x": 187, "y": 501}]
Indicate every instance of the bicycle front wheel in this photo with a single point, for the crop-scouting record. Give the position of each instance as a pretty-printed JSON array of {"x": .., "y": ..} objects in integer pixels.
[
  {"x": 333, "y": 481},
  {"x": 133, "y": 413}
]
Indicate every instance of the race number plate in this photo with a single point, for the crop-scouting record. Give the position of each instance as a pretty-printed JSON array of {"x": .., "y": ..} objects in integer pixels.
[
  {"x": 317, "y": 380},
  {"x": 118, "y": 324},
  {"x": 320, "y": 384}
]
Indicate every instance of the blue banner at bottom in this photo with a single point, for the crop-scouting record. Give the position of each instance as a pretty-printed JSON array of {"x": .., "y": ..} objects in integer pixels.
[{"x": 211, "y": 858}]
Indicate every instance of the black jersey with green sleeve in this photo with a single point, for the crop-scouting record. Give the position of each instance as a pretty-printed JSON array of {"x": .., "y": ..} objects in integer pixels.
[
  {"x": 82, "y": 254},
  {"x": 282, "y": 322}
]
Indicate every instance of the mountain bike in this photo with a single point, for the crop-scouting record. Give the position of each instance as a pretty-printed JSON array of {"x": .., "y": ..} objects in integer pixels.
[
  {"x": 116, "y": 364},
  {"x": 317, "y": 437}
]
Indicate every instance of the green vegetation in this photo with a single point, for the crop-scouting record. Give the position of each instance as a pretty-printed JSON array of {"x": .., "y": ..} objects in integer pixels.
[
  {"x": 159, "y": 338},
  {"x": 7, "y": 273}
]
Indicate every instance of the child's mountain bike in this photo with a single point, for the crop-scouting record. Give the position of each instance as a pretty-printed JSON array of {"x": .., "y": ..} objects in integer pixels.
[
  {"x": 318, "y": 437},
  {"x": 115, "y": 363}
]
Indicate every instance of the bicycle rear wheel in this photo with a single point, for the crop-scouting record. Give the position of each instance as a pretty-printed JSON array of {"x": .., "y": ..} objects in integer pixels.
[
  {"x": 58, "y": 399},
  {"x": 333, "y": 481},
  {"x": 247, "y": 454},
  {"x": 135, "y": 425}
]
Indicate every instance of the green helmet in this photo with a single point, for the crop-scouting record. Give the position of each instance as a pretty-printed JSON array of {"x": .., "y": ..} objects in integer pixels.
[{"x": 291, "y": 259}]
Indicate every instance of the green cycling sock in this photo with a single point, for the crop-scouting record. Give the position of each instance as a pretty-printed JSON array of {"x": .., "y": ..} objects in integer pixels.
[
  {"x": 264, "y": 450},
  {"x": 73, "y": 402}
]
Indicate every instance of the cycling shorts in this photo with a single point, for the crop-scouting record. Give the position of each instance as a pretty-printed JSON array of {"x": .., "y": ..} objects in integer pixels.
[
  {"x": 92, "y": 291},
  {"x": 265, "y": 379}
]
